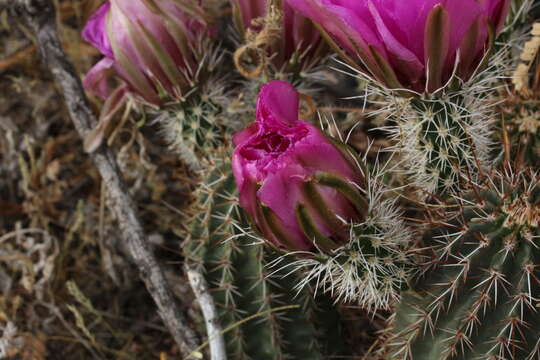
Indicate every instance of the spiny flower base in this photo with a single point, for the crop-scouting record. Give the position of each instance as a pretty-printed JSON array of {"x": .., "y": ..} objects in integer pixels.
[
  {"x": 373, "y": 267},
  {"x": 443, "y": 141}
]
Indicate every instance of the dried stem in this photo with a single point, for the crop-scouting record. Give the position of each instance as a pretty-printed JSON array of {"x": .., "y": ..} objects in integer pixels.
[
  {"x": 211, "y": 317},
  {"x": 39, "y": 15}
]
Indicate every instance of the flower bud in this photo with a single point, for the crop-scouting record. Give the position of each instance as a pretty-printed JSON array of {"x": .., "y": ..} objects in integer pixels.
[
  {"x": 299, "y": 188},
  {"x": 412, "y": 44},
  {"x": 299, "y": 35},
  {"x": 146, "y": 43}
]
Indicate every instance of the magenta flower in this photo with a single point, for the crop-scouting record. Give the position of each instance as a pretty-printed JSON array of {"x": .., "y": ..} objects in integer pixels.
[
  {"x": 293, "y": 181},
  {"x": 299, "y": 34},
  {"x": 400, "y": 42},
  {"x": 147, "y": 44}
]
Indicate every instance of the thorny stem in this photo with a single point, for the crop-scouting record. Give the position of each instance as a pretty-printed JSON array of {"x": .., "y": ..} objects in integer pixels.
[{"x": 40, "y": 17}]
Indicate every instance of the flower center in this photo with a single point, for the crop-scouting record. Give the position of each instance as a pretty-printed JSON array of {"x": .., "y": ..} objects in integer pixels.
[{"x": 270, "y": 145}]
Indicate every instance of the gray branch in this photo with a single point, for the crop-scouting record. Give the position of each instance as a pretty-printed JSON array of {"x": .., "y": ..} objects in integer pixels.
[
  {"x": 211, "y": 317},
  {"x": 39, "y": 15}
]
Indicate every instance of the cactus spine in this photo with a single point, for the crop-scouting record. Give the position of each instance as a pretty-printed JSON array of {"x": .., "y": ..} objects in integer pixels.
[
  {"x": 478, "y": 297},
  {"x": 193, "y": 128},
  {"x": 372, "y": 268},
  {"x": 242, "y": 285},
  {"x": 443, "y": 140}
]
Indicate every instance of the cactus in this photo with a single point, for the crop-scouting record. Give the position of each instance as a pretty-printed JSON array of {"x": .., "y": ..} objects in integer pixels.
[
  {"x": 372, "y": 268},
  {"x": 242, "y": 286},
  {"x": 478, "y": 296},
  {"x": 192, "y": 129},
  {"x": 443, "y": 140}
]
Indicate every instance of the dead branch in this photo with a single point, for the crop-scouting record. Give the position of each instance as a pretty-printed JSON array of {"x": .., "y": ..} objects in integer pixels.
[
  {"x": 39, "y": 15},
  {"x": 211, "y": 317}
]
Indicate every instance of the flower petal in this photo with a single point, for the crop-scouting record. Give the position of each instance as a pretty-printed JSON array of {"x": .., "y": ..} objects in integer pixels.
[
  {"x": 407, "y": 64},
  {"x": 277, "y": 105},
  {"x": 94, "y": 31},
  {"x": 97, "y": 79}
]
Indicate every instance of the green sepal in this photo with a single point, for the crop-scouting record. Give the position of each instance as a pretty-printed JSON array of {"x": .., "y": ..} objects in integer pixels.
[
  {"x": 467, "y": 48},
  {"x": 317, "y": 204},
  {"x": 349, "y": 154},
  {"x": 489, "y": 50},
  {"x": 323, "y": 242},
  {"x": 436, "y": 40},
  {"x": 275, "y": 226},
  {"x": 346, "y": 189}
]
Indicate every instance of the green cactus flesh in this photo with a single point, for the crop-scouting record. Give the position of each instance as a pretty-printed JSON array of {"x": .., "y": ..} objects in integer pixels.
[
  {"x": 479, "y": 296},
  {"x": 450, "y": 139},
  {"x": 242, "y": 286}
]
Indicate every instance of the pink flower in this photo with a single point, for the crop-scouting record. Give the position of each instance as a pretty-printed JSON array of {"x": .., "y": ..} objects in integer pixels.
[
  {"x": 293, "y": 181},
  {"x": 147, "y": 44},
  {"x": 400, "y": 41},
  {"x": 299, "y": 34}
]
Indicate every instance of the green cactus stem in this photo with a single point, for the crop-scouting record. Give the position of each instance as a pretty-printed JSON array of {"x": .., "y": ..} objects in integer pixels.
[
  {"x": 443, "y": 141},
  {"x": 242, "y": 285},
  {"x": 192, "y": 129},
  {"x": 478, "y": 297}
]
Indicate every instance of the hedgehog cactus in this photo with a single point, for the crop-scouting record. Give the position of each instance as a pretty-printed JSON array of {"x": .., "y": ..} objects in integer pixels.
[
  {"x": 291, "y": 211},
  {"x": 423, "y": 53},
  {"x": 195, "y": 127},
  {"x": 478, "y": 296},
  {"x": 310, "y": 195},
  {"x": 242, "y": 285}
]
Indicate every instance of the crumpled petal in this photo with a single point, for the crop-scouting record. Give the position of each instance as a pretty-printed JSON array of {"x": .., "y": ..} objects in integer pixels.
[
  {"x": 276, "y": 156},
  {"x": 277, "y": 105},
  {"x": 97, "y": 79}
]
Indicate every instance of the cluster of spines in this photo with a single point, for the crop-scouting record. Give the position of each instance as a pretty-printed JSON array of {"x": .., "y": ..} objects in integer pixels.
[
  {"x": 241, "y": 284},
  {"x": 443, "y": 141},
  {"x": 478, "y": 296},
  {"x": 193, "y": 129},
  {"x": 373, "y": 267}
]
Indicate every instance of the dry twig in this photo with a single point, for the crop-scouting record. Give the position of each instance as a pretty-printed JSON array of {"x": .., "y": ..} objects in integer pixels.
[
  {"x": 39, "y": 15},
  {"x": 211, "y": 317}
]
